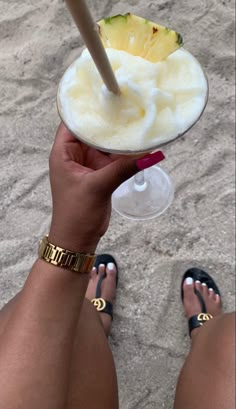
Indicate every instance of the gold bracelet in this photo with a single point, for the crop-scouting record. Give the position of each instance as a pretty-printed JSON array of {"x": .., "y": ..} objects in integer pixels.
[{"x": 76, "y": 262}]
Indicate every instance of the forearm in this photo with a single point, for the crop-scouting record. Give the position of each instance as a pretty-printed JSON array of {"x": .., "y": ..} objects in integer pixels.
[{"x": 36, "y": 347}]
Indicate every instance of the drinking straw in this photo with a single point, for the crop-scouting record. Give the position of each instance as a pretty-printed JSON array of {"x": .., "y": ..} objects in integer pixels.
[{"x": 88, "y": 30}]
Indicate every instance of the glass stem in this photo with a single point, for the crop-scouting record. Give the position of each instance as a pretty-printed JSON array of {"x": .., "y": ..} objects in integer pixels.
[{"x": 139, "y": 181}]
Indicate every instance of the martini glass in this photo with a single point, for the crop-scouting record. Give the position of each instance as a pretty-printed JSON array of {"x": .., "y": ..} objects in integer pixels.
[{"x": 150, "y": 192}]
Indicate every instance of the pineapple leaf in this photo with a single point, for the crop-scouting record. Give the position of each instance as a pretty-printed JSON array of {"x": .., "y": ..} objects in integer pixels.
[
  {"x": 179, "y": 39},
  {"x": 110, "y": 20}
]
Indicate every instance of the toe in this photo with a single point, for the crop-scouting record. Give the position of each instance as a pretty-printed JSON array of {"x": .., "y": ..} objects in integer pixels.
[
  {"x": 191, "y": 303},
  {"x": 101, "y": 269},
  {"x": 188, "y": 288},
  {"x": 93, "y": 273},
  {"x": 198, "y": 286},
  {"x": 218, "y": 299},
  {"x": 109, "y": 285},
  {"x": 205, "y": 291},
  {"x": 211, "y": 293},
  {"x": 111, "y": 271}
]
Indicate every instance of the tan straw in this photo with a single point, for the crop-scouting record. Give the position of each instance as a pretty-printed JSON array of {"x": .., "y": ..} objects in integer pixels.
[{"x": 89, "y": 32}]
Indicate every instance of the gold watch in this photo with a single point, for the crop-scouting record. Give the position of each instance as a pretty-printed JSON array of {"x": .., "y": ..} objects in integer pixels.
[{"x": 53, "y": 254}]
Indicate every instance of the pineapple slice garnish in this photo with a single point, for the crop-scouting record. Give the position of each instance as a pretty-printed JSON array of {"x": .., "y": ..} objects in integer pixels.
[{"x": 139, "y": 37}]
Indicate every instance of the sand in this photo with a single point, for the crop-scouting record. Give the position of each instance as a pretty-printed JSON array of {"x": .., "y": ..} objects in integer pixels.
[{"x": 149, "y": 337}]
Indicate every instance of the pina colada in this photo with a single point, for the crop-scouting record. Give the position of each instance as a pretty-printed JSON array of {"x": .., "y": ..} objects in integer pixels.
[{"x": 163, "y": 88}]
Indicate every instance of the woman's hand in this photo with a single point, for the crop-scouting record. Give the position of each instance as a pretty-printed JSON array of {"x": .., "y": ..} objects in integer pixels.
[{"x": 82, "y": 182}]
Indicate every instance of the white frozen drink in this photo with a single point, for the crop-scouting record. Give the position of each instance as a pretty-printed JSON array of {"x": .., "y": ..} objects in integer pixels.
[{"x": 158, "y": 101}]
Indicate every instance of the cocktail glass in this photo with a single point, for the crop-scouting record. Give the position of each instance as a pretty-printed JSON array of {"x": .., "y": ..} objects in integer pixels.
[{"x": 150, "y": 192}]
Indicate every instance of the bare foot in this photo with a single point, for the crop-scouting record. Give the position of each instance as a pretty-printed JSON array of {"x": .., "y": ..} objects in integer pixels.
[
  {"x": 108, "y": 290},
  {"x": 191, "y": 303}
]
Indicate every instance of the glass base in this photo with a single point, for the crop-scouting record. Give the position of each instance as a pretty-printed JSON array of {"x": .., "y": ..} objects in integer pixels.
[{"x": 143, "y": 201}]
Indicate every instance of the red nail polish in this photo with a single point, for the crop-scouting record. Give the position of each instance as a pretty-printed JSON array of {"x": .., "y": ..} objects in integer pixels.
[{"x": 150, "y": 160}]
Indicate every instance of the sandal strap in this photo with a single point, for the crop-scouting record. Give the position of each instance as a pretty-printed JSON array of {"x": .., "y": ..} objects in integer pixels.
[
  {"x": 198, "y": 320},
  {"x": 201, "y": 300},
  {"x": 99, "y": 284},
  {"x": 102, "y": 305}
]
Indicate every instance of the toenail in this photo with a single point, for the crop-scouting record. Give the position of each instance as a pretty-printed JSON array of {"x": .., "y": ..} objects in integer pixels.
[
  {"x": 218, "y": 295},
  {"x": 204, "y": 284},
  {"x": 210, "y": 289},
  {"x": 189, "y": 281},
  {"x": 198, "y": 282},
  {"x": 101, "y": 265},
  {"x": 110, "y": 266},
  {"x": 94, "y": 269}
]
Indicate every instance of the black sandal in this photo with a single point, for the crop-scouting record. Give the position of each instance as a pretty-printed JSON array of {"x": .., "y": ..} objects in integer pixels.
[
  {"x": 199, "y": 275},
  {"x": 100, "y": 304}
]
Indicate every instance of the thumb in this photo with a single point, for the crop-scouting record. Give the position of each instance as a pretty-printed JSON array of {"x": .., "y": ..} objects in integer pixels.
[{"x": 113, "y": 175}]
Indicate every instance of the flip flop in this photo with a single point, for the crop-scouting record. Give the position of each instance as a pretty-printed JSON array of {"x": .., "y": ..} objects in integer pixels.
[
  {"x": 100, "y": 303},
  {"x": 199, "y": 275}
]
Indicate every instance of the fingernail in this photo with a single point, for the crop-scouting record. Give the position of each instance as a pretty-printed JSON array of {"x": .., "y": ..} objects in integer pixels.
[
  {"x": 150, "y": 160},
  {"x": 210, "y": 289},
  {"x": 110, "y": 266},
  {"x": 189, "y": 281},
  {"x": 204, "y": 284}
]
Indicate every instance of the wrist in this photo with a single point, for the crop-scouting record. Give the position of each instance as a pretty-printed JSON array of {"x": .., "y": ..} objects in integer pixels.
[
  {"x": 73, "y": 242},
  {"x": 52, "y": 272},
  {"x": 67, "y": 259}
]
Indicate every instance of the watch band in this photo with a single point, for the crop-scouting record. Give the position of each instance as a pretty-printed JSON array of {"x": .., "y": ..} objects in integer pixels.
[{"x": 53, "y": 254}]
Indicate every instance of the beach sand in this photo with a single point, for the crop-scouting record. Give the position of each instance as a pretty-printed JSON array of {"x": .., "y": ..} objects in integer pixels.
[{"x": 38, "y": 40}]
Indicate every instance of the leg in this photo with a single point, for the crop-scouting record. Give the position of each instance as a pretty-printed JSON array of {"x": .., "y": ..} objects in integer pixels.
[
  {"x": 93, "y": 382},
  {"x": 93, "y": 376},
  {"x": 207, "y": 378}
]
